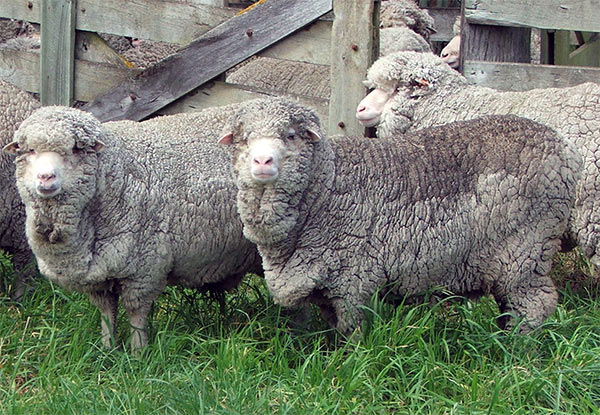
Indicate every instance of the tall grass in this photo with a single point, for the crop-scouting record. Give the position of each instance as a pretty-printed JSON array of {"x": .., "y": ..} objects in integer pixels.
[{"x": 248, "y": 356}]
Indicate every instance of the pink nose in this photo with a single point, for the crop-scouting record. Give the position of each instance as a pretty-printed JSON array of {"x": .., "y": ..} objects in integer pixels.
[
  {"x": 361, "y": 108},
  {"x": 263, "y": 160},
  {"x": 46, "y": 177}
]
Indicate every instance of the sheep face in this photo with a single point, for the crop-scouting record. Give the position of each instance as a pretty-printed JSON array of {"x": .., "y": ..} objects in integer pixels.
[
  {"x": 369, "y": 110},
  {"x": 51, "y": 160},
  {"x": 451, "y": 52},
  {"x": 273, "y": 158},
  {"x": 272, "y": 149},
  {"x": 43, "y": 172}
]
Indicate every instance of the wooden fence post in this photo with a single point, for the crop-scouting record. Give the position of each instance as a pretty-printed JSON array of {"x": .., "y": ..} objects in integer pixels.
[
  {"x": 354, "y": 47},
  {"x": 57, "y": 51}
]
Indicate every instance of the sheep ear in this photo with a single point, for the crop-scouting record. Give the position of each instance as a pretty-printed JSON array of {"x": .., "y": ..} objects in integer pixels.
[
  {"x": 11, "y": 148},
  {"x": 226, "y": 139},
  {"x": 422, "y": 82},
  {"x": 314, "y": 135},
  {"x": 99, "y": 146}
]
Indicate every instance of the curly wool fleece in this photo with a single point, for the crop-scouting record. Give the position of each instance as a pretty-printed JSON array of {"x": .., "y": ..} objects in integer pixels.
[
  {"x": 476, "y": 208},
  {"x": 427, "y": 92},
  {"x": 16, "y": 105}
]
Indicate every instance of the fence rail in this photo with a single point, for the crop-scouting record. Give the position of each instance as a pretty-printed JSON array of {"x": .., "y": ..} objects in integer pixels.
[
  {"x": 495, "y": 41},
  {"x": 215, "y": 39}
]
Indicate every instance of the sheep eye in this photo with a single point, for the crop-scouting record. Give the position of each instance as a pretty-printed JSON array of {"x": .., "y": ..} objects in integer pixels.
[{"x": 291, "y": 134}]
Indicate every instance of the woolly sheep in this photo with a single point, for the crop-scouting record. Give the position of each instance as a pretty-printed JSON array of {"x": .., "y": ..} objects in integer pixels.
[
  {"x": 16, "y": 106},
  {"x": 475, "y": 208},
  {"x": 406, "y": 13},
  {"x": 394, "y": 39},
  {"x": 290, "y": 77},
  {"x": 413, "y": 91},
  {"x": 122, "y": 209}
]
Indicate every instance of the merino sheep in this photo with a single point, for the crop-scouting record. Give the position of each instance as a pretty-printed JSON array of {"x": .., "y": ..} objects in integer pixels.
[
  {"x": 474, "y": 208},
  {"x": 451, "y": 52},
  {"x": 16, "y": 106},
  {"x": 415, "y": 90},
  {"x": 394, "y": 39},
  {"x": 406, "y": 13},
  {"x": 122, "y": 209}
]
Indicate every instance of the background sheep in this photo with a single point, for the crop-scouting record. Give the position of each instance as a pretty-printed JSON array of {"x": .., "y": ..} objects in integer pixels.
[
  {"x": 16, "y": 105},
  {"x": 406, "y": 13},
  {"x": 451, "y": 52},
  {"x": 414, "y": 91},
  {"x": 120, "y": 210},
  {"x": 475, "y": 208}
]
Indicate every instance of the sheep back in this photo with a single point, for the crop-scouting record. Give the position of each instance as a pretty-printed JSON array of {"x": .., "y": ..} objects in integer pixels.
[{"x": 446, "y": 97}]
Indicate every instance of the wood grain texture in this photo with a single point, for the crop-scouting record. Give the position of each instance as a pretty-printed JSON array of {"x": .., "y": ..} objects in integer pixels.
[
  {"x": 57, "y": 52},
  {"x": 206, "y": 58},
  {"x": 179, "y": 22},
  {"x": 91, "y": 78},
  {"x": 310, "y": 44},
  {"x": 523, "y": 77},
  {"x": 353, "y": 49},
  {"x": 493, "y": 43},
  {"x": 544, "y": 14}
]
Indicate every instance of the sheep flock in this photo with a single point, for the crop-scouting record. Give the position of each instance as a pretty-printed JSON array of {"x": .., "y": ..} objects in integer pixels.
[{"x": 466, "y": 189}]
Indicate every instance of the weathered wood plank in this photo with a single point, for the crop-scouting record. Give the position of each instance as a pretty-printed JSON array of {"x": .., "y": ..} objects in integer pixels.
[
  {"x": 218, "y": 93},
  {"x": 179, "y": 22},
  {"x": 354, "y": 44},
  {"x": 57, "y": 52},
  {"x": 444, "y": 21},
  {"x": 544, "y": 14},
  {"x": 91, "y": 79},
  {"x": 522, "y": 77},
  {"x": 494, "y": 43},
  {"x": 310, "y": 44},
  {"x": 207, "y": 57}
]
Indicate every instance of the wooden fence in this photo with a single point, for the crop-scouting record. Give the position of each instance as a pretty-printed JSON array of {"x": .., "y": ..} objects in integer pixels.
[
  {"x": 495, "y": 42},
  {"x": 214, "y": 39},
  {"x": 495, "y": 52}
]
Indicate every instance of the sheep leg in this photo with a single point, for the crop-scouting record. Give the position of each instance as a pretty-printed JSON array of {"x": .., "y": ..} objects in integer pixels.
[
  {"x": 138, "y": 318},
  {"x": 107, "y": 301},
  {"x": 524, "y": 290},
  {"x": 534, "y": 299},
  {"x": 26, "y": 270}
]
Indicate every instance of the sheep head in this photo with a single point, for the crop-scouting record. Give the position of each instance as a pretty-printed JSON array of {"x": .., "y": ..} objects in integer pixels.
[
  {"x": 263, "y": 144},
  {"x": 53, "y": 147},
  {"x": 451, "y": 52},
  {"x": 274, "y": 143},
  {"x": 398, "y": 81}
]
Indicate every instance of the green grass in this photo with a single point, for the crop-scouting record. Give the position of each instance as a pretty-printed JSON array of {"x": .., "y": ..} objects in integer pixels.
[{"x": 245, "y": 358}]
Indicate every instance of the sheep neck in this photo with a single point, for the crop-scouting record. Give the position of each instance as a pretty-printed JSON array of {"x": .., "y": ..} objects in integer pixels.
[{"x": 274, "y": 215}]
